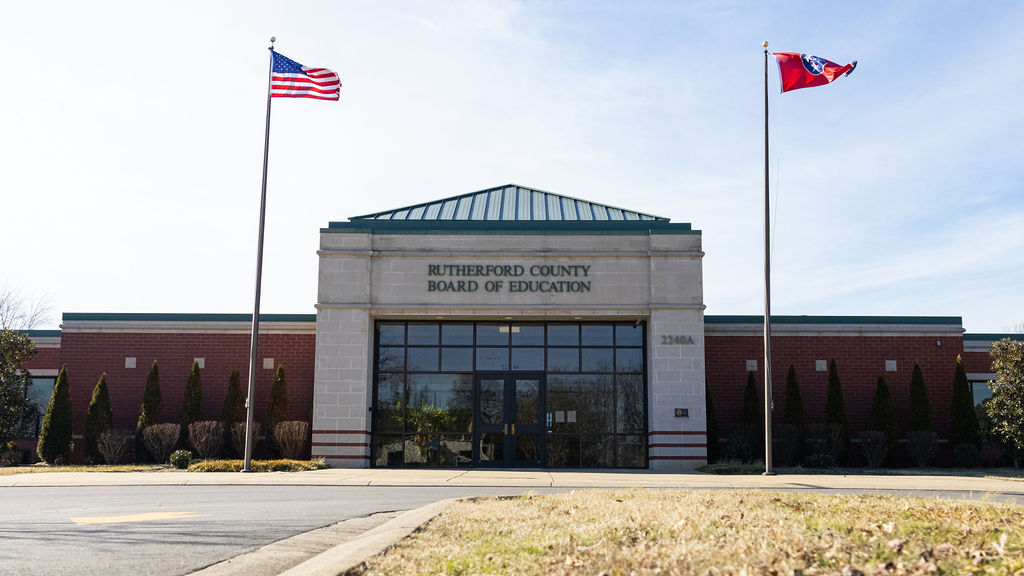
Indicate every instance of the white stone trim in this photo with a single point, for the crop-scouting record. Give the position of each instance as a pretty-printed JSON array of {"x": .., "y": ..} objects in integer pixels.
[
  {"x": 978, "y": 345},
  {"x": 46, "y": 341},
  {"x": 46, "y": 373},
  {"x": 979, "y": 376}
]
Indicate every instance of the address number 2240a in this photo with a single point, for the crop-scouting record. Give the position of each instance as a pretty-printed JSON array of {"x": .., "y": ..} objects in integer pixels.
[{"x": 672, "y": 339}]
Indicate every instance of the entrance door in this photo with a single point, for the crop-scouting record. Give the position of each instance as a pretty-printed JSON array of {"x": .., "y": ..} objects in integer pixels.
[{"x": 508, "y": 430}]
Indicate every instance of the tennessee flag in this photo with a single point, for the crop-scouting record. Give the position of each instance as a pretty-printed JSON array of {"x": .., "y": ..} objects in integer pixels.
[{"x": 804, "y": 70}]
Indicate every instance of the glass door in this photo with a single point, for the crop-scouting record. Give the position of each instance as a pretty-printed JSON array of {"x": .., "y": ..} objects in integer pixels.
[{"x": 508, "y": 429}]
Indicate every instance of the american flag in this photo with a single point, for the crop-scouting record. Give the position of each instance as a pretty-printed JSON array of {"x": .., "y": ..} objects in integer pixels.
[{"x": 293, "y": 80}]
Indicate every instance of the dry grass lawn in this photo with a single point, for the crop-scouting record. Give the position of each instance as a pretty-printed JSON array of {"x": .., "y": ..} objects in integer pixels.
[
  {"x": 39, "y": 468},
  {"x": 642, "y": 532}
]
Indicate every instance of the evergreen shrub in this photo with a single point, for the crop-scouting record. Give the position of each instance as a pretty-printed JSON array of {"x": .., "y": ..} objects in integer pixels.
[
  {"x": 920, "y": 407},
  {"x": 712, "y": 425},
  {"x": 150, "y": 413},
  {"x": 963, "y": 422},
  {"x": 192, "y": 407},
  {"x": 838, "y": 428},
  {"x": 965, "y": 455},
  {"x": 98, "y": 419},
  {"x": 793, "y": 430},
  {"x": 752, "y": 431},
  {"x": 234, "y": 400},
  {"x": 277, "y": 410},
  {"x": 55, "y": 440},
  {"x": 180, "y": 459}
]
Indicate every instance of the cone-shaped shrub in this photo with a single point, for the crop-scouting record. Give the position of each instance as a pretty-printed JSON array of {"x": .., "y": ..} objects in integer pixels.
[
  {"x": 794, "y": 401},
  {"x": 192, "y": 407},
  {"x": 712, "y": 425},
  {"x": 753, "y": 417},
  {"x": 793, "y": 431},
  {"x": 277, "y": 410},
  {"x": 920, "y": 408},
  {"x": 752, "y": 407},
  {"x": 835, "y": 414},
  {"x": 234, "y": 400},
  {"x": 150, "y": 412},
  {"x": 963, "y": 422},
  {"x": 883, "y": 412},
  {"x": 55, "y": 436},
  {"x": 98, "y": 419}
]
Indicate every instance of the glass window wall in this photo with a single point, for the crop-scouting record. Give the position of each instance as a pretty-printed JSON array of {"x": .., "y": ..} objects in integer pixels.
[{"x": 594, "y": 391}]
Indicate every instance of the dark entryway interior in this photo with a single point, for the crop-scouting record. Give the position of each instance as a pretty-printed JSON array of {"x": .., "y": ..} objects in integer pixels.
[{"x": 463, "y": 394}]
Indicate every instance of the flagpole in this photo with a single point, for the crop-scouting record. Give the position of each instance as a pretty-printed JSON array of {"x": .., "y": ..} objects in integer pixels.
[
  {"x": 767, "y": 294},
  {"x": 250, "y": 400}
]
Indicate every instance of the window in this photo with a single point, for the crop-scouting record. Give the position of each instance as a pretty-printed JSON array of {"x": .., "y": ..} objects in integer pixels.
[
  {"x": 39, "y": 393},
  {"x": 981, "y": 391},
  {"x": 595, "y": 389}
]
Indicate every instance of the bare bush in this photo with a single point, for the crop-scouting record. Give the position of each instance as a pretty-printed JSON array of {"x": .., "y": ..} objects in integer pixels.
[
  {"x": 17, "y": 313},
  {"x": 113, "y": 445},
  {"x": 10, "y": 457},
  {"x": 875, "y": 446},
  {"x": 206, "y": 437},
  {"x": 160, "y": 440},
  {"x": 238, "y": 437},
  {"x": 825, "y": 443},
  {"x": 792, "y": 437},
  {"x": 290, "y": 438},
  {"x": 923, "y": 444}
]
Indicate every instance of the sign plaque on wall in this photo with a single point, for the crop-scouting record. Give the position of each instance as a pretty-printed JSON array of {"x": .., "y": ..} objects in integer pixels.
[{"x": 509, "y": 278}]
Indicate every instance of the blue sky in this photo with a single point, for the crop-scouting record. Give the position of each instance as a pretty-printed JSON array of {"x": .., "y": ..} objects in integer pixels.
[{"x": 131, "y": 157}]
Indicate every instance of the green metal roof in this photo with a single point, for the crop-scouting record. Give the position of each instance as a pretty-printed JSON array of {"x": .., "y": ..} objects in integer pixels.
[
  {"x": 42, "y": 333},
  {"x": 993, "y": 337},
  {"x": 511, "y": 203}
]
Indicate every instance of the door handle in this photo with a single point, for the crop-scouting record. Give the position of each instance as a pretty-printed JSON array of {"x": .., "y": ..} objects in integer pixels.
[
  {"x": 506, "y": 429},
  {"x": 513, "y": 429}
]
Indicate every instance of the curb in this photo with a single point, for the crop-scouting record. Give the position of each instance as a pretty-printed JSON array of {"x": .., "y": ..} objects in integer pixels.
[{"x": 344, "y": 557}]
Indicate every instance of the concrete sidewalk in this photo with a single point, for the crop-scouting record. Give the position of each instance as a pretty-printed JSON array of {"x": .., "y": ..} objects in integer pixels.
[{"x": 526, "y": 479}]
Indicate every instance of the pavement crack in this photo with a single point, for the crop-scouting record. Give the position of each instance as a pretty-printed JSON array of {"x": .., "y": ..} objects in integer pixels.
[{"x": 464, "y": 472}]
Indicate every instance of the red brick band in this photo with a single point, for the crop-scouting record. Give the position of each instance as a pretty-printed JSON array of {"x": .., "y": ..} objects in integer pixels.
[
  {"x": 355, "y": 444},
  {"x": 676, "y": 458},
  {"x": 678, "y": 433},
  {"x": 677, "y": 445},
  {"x": 357, "y": 432}
]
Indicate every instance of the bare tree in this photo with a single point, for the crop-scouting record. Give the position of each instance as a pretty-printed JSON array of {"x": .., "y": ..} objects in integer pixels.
[{"x": 18, "y": 313}]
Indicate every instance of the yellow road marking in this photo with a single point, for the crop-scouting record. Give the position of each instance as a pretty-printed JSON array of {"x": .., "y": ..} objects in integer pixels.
[{"x": 145, "y": 517}]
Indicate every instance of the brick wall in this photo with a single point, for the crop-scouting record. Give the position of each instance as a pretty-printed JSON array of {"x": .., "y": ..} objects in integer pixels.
[
  {"x": 89, "y": 354},
  {"x": 977, "y": 362},
  {"x": 859, "y": 361},
  {"x": 45, "y": 359}
]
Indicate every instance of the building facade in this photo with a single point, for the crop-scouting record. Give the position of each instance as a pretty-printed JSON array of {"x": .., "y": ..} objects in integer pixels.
[{"x": 505, "y": 328}]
